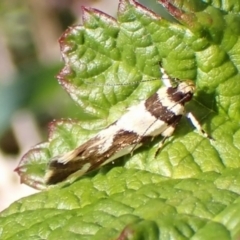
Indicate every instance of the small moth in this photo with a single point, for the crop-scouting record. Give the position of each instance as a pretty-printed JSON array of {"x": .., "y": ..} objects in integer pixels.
[{"x": 158, "y": 115}]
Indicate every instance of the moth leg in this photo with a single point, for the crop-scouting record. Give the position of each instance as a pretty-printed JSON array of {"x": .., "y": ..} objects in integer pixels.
[
  {"x": 165, "y": 78},
  {"x": 197, "y": 125},
  {"x": 160, "y": 145},
  {"x": 166, "y": 134}
]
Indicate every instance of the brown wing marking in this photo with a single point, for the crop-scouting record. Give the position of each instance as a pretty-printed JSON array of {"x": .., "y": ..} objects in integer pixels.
[{"x": 88, "y": 158}]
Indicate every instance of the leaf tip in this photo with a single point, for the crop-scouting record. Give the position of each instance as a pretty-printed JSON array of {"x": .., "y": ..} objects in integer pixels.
[
  {"x": 174, "y": 11},
  {"x": 18, "y": 171},
  {"x": 62, "y": 77},
  {"x": 27, "y": 179},
  {"x": 88, "y": 12},
  {"x": 124, "y": 6}
]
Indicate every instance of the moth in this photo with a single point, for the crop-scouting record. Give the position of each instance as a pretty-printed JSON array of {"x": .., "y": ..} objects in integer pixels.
[{"x": 157, "y": 115}]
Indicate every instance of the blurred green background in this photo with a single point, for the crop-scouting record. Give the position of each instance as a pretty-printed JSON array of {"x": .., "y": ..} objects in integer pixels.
[{"x": 30, "y": 58}]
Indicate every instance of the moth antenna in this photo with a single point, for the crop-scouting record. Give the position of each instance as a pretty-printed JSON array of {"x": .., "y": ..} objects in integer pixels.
[
  {"x": 121, "y": 84},
  {"x": 210, "y": 109}
]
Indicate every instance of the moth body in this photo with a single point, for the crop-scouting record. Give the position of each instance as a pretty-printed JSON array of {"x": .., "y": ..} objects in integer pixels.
[{"x": 158, "y": 115}]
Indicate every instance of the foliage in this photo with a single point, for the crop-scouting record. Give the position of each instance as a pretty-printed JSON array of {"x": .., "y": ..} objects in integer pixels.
[{"x": 191, "y": 189}]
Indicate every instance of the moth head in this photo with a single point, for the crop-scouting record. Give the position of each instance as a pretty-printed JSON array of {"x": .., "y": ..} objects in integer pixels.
[{"x": 186, "y": 89}]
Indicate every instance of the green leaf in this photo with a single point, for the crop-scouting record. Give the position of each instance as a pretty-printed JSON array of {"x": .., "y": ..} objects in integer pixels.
[
  {"x": 190, "y": 190},
  {"x": 102, "y": 206}
]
